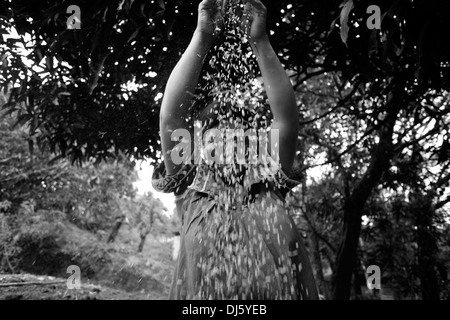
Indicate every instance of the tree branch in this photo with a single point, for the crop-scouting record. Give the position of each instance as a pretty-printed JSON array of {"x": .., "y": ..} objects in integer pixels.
[
  {"x": 100, "y": 51},
  {"x": 339, "y": 156},
  {"x": 442, "y": 203},
  {"x": 309, "y": 76},
  {"x": 400, "y": 147},
  {"x": 314, "y": 229}
]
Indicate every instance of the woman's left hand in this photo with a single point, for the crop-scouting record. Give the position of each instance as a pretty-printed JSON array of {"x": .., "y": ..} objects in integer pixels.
[{"x": 254, "y": 19}]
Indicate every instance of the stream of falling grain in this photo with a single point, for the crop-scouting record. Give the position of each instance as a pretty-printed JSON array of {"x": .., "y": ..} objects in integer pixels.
[{"x": 239, "y": 263}]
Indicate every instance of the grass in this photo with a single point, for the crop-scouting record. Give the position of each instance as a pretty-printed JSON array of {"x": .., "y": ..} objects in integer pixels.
[{"x": 47, "y": 244}]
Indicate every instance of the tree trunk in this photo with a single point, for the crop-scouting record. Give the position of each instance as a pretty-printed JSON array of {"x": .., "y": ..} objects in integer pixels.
[
  {"x": 317, "y": 263},
  {"x": 115, "y": 230},
  {"x": 428, "y": 249},
  {"x": 346, "y": 255},
  {"x": 144, "y": 230},
  {"x": 359, "y": 279},
  {"x": 142, "y": 242},
  {"x": 427, "y": 242},
  {"x": 354, "y": 204},
  {"x": 428, "y": 278}
]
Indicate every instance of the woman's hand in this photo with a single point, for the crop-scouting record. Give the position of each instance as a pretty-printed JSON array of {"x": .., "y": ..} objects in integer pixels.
[
  {"x": 210, "y": 17},
  {"x": 254, "y": 19}
]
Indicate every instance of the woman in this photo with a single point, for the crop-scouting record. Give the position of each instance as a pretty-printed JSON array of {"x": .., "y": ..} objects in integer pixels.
[{"x": 237, "y": 239}]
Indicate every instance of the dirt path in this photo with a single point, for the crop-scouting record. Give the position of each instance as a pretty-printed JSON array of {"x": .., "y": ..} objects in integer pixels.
[{"x": 32, "y": 287}]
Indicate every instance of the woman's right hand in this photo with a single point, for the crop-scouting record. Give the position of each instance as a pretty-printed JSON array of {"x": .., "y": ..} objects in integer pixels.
[{"x": 210, "y": 17}]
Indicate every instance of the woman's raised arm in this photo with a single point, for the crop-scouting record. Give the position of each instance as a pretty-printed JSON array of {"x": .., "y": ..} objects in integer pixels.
[
  {"x": 276, "y": 82},
  {"x": 184, "y": 78}
]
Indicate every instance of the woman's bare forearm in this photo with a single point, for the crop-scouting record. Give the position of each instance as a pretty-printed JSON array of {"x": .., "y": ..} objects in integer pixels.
[
  {"x": 281, "y": 99},
  {"x": 278, "y": 86},
  {"x": 179, "y": 92},
  {"x": 183, "y": 81}
]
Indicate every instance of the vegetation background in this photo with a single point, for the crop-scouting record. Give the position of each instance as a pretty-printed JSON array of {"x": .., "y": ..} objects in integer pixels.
[{"x": 79, "y": 108}]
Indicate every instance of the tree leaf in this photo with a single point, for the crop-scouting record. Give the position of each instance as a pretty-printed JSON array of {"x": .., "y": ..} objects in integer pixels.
[
  {"x": 373, "y": 43},
  {"x": 134, "y": 35},
  {"x": 332, "y": 26},
  {"x": 38, "y": 54},
  {"x": 162, "y": 4},
  {"x": 345, "y": 12},
  {"x": 22, "y": 119}
]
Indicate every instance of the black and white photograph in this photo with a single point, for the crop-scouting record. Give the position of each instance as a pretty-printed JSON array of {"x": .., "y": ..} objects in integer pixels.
[{"x": 193, "y": 150}]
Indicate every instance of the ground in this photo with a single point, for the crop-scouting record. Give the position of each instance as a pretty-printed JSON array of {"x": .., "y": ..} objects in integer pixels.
[
  {"x": 42, "y": 252},
  {"x": 33, "y": 287}
]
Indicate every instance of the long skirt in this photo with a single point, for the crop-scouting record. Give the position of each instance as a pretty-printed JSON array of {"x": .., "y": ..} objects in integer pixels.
[{"x": 251, "y": 251}]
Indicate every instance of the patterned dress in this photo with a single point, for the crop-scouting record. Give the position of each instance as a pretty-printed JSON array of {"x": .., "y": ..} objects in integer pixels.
[{"x": 237, "y": 240}]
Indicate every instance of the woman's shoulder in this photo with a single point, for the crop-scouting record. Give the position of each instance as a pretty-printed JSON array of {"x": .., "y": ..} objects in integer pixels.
[
  {"x": 175, "y": 183},
  {"x": 284, "y": 180}
]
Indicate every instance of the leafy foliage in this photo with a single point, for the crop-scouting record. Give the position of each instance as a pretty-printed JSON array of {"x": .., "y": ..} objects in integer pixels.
[{"x": 374, "y": 106}]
